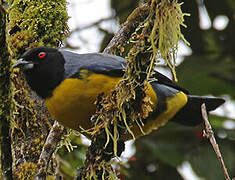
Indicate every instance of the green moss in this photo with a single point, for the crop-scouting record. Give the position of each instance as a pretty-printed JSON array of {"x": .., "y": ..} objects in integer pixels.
[
  {"x": 5, "y": 72},
  {"x": 40, "y": 23},
  {"x": 26, "y": 171}
]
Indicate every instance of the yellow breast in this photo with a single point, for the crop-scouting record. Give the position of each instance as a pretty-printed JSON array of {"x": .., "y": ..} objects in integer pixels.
[{"x": 72, "y": 103}]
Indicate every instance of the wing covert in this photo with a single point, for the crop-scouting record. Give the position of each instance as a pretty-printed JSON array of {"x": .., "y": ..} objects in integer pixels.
[{"x": 94, "y": 62}]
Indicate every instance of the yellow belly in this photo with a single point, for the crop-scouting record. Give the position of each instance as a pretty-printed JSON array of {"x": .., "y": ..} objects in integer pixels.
[{"x": 72, "y": 103}]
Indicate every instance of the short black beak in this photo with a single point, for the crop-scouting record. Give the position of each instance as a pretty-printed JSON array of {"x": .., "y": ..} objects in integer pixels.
[{"x": 23, "y": 64}]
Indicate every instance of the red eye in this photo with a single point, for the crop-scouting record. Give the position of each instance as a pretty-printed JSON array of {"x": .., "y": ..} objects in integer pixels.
[{"x": 41, "y": 55}]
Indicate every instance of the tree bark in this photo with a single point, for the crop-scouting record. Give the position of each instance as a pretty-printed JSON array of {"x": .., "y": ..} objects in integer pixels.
[{"x": 5, "y": 101}]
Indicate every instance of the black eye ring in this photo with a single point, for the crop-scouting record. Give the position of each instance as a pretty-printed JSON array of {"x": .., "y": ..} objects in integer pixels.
[{"x": 41, "y": 55}]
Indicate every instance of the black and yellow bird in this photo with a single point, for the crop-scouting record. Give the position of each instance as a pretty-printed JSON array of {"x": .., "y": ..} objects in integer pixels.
[{"x": 70, "y": 83}]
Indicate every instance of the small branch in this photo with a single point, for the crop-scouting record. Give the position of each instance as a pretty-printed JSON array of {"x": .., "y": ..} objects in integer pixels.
[
  {"x": 127, "y": 29},
  {"x": 208, "y": 132},
  {"x": 49, "y": 147}
]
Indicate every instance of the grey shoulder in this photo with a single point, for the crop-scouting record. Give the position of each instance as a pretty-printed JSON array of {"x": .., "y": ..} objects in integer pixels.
[{"x": 96, "y": 62}]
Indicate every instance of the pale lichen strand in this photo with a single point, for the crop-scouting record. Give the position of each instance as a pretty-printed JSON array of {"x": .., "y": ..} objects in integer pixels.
[
  {"x": 167, "y": 33},
  {"x": 105, "y": 167}
]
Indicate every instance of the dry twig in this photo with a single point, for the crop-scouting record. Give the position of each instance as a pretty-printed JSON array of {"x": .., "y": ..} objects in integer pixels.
[
  {"x": 49, "y": 147},
  {"x": 209, "y": 134}
]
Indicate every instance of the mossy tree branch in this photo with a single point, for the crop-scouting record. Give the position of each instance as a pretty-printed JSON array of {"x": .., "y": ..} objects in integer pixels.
[
  {"x": 126, "y": 30},
  {"x": 127, "y": 105},
  {"x": 97, "y": 156},
  {"x": 31, "y": 24},
  {"x": 5, "y": 100}
]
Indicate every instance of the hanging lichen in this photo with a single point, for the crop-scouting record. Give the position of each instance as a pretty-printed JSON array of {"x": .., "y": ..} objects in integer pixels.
[
  {"x": 157, "y": 36},
  {"x": 166, "y": 32},
  {"x": 122, "y": 114}
]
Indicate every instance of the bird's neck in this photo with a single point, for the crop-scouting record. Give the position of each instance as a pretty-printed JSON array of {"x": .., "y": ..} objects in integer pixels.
[{"x": 43, "y": 84}]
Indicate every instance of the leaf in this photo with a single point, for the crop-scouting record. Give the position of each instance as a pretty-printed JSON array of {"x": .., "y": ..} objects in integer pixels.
[
  {"x": 205, "y": 163},
  {"x": 200, "y": 75}
]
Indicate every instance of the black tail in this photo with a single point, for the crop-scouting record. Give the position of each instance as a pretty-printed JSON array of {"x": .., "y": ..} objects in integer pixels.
[{"x": 190, "y": 114}]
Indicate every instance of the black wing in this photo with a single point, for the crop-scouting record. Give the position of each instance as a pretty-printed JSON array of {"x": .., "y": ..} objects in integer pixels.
[
  {"x": 161, "y": 79},
  {"x": 94, "y": 62}
]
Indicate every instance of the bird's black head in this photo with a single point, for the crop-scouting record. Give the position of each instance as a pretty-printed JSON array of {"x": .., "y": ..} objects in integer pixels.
[{"x": 43, "y": 68}]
